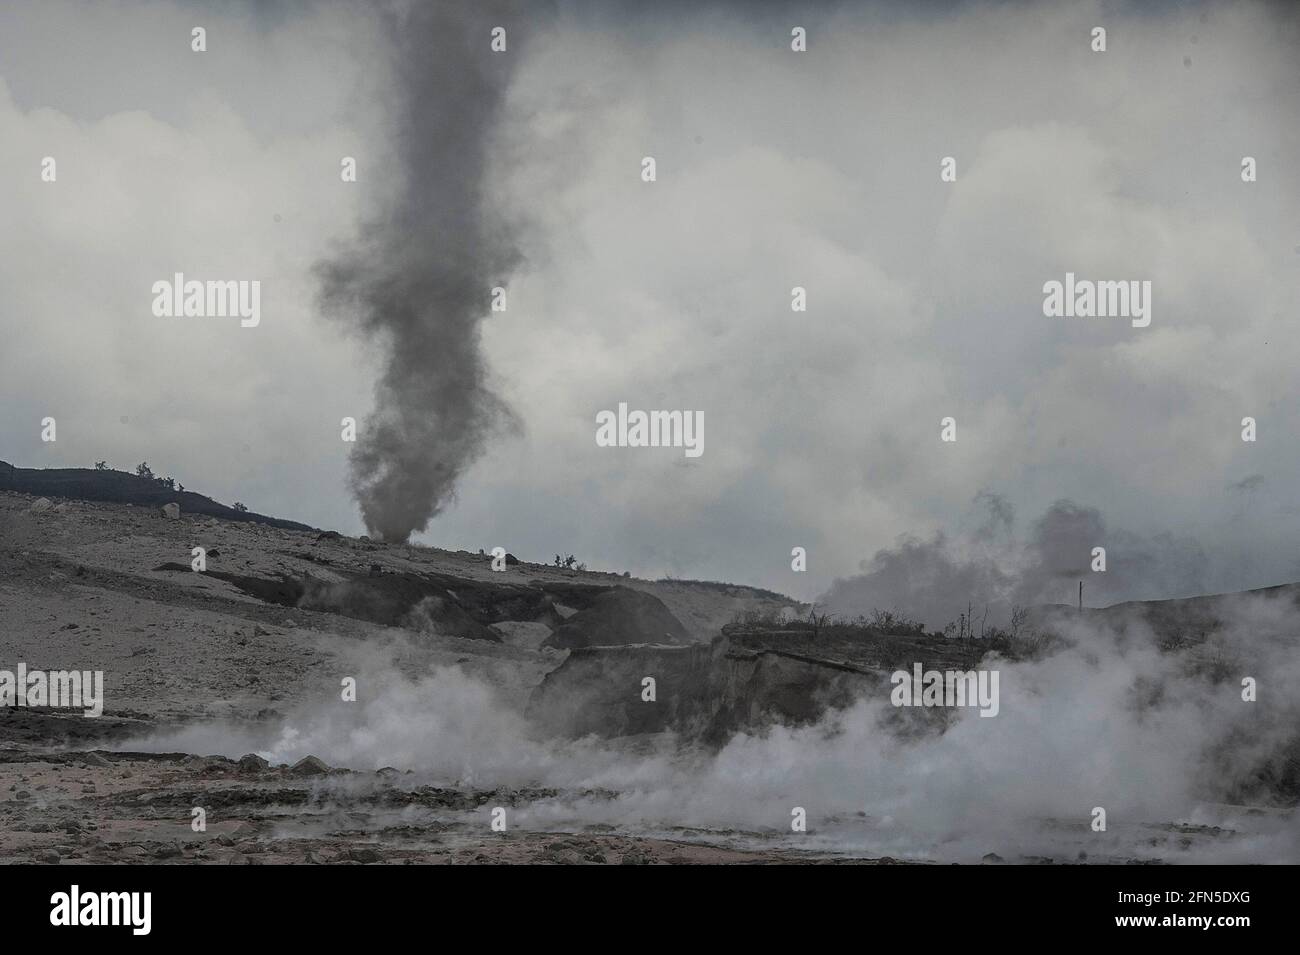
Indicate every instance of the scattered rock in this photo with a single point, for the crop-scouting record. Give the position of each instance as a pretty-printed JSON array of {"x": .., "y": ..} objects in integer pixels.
[
  {"x": 94, "y": 759},
  {"x": 364, "y": 855},
  {"x": 48, "y": 856},
  {"x": 562, "y": 854},
  {"x": 40, "y": 505},
  {"x": 171, "y": 511},
  {"x": 328, "y": 536}
]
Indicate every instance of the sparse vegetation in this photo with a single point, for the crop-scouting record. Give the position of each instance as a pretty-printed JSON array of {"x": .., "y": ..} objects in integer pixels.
[
  {"x": 817, "y": 622},
  {"x": 760, "y": 619},
  {"x": 101, "y": 465},
  {"x": 891, "y": 622},
  {"x": 239, "y": 506},
  {"x": 142, "y": 470},
  {"x": 1019, "y": 641},
  {"x": 569, "y": 562},
  {"x": 963, "y": 628}
]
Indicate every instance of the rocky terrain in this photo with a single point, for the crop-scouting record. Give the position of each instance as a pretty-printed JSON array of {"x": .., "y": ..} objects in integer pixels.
[
  {"x": 264, "y": 632},
  {"x": 480, "y": 697},
  {"x": 748, "y": 677}
]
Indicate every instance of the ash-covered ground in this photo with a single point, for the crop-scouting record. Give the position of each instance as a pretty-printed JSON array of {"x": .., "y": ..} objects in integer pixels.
[{"x": 518, "y": 697}]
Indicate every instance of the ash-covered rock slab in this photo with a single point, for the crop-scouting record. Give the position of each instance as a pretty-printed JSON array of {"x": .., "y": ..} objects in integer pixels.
[
  {"x": 747, "y": 679},
  {"x": 620, "y": 616}
]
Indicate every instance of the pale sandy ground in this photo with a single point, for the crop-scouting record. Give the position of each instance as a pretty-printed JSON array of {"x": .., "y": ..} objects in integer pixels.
[
  {"x": 78, "y": 591},
  {"x": 182, "y": 651},
  {"x": 106, "y": 807}
]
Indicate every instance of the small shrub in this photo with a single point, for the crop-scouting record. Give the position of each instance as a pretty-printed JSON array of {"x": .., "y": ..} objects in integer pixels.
[{"x": 895, "y": 624}]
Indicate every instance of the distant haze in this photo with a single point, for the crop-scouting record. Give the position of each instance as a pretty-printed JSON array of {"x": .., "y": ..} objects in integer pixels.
[{"x": 775, "y": 169}]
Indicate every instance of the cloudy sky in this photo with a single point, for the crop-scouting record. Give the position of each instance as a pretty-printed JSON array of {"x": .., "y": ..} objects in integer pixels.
[{"x": 775, "y": 169}]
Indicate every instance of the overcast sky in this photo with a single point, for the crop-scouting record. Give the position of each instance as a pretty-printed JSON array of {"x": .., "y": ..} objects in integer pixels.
[{"x": 775, "y": 169}]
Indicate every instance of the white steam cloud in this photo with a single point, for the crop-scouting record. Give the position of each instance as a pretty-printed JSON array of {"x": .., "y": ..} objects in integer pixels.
[{"x": 1157, "y": 738}]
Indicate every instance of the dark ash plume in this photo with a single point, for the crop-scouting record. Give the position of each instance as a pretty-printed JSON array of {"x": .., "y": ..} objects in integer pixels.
[
  {"x": 419, "y": 280},
  {"x": 991, "y": 570}
]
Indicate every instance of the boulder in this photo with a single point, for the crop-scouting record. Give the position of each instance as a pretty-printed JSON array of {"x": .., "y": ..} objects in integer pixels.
[
  {"x": 40, "y": 505},
  {"x": 171, "y": 510},
  {"x": 744, "y": 681},
  {"x": 309, "y": 766},
  {"x": 619, "y": 617},
  {"x": 600, "y": 690}
]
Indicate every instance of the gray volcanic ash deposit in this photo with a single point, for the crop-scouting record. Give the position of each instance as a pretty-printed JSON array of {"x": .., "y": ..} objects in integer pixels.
[{"x": 226, "y": 689}]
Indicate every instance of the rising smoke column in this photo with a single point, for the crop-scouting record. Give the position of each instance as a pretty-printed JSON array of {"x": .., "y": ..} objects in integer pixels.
[
  {"x": 934, "y": 580},
  {"x": 418, "y": 281}
]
